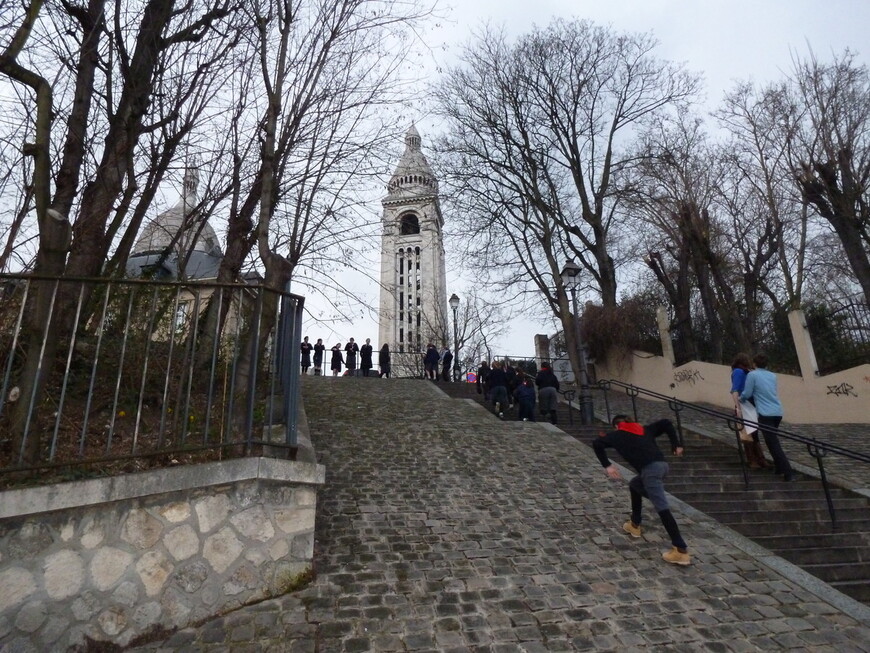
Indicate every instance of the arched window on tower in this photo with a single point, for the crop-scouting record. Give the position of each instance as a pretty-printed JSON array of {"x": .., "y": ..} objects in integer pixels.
[{"x": 410, "y": 225}]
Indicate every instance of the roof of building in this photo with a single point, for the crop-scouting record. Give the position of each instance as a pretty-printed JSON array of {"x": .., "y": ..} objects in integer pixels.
[
  {"x": 181, "y": 230},
  {"x": 413, "y": 176}
]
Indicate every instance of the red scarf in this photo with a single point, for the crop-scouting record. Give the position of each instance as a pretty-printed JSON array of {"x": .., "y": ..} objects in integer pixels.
[{"x": 631, "y": 427}]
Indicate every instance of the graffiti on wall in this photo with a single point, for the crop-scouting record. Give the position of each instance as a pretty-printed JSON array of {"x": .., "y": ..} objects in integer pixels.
[
  {"x": 688, "y": 376},
  {"x": 842, "y": 390}
]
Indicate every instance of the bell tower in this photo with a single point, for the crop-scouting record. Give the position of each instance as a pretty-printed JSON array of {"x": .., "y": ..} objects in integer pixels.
[{"x": 413, "y": 308}]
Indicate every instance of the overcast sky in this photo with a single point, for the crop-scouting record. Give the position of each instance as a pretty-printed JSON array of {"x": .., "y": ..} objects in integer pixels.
[{"x": 725, "y": 41}]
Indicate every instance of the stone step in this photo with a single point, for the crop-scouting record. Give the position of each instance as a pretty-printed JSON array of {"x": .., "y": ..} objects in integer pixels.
[
  {"x": 786, "y": 517},
  {"x": 847, "y": 571},
  {"x": 825, "y": 555},
  {"x": 756, "y": 529},
  {"x": 734, "y": 491},
  {"x": 857, "y": 589},
  {"x": 819, "y": 540},
  {"x": 785, "y": 502}
]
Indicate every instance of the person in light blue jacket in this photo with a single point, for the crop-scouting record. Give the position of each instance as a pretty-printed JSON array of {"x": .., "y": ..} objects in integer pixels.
[{"x": 760, "y": 387}]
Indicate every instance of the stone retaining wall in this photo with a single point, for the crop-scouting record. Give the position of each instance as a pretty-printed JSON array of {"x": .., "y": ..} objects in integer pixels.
[{"x": 111, "y": 559}]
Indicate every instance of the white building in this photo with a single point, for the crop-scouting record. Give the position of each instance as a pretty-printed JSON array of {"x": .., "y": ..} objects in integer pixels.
[{"x": 413, "y": 308}]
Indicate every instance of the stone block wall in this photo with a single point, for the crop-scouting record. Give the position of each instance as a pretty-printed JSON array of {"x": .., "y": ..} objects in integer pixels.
[{"x": 112, "y": 559}]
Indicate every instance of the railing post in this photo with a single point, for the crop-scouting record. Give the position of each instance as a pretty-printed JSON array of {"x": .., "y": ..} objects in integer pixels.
[
  {"x": 819, "y": 452},
  {"x": 291, "y": 331},
  {"x": 736, "y": 426},
  {"x": 605, "y": 386},
  {"x": 632, "y": 392},
  {"x": 676, "y": 406},
  {"x": 252, "y": 372}
]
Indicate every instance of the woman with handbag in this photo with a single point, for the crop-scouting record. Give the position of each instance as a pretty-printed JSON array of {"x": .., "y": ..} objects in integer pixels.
[{"x": 745, "y": 411}]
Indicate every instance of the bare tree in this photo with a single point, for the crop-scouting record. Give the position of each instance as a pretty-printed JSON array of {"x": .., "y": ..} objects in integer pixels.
[
  {"x": 830, "y": 149},
  {"x": 538, "y": 128}
]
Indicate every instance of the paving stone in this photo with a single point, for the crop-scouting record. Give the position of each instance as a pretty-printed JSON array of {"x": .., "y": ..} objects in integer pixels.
[{"x": 443, "y": 528}]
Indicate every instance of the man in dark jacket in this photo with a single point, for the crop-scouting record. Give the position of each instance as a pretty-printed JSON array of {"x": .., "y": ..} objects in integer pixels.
[
  {"x": 548, "y": 389},
  {"x": 351, "y": 349},
  {"x": 636, "y": 444},
  {"x": 498, "y": 388},
  {"x": 482, "y": 380},
  {"x": 446, "y": 363},
  {"x": 430, "y": 362},
  {"x": 365, "y": 357}
]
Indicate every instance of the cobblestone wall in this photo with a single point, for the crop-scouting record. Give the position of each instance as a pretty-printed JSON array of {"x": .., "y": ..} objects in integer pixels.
[{"x": 116, "y": 569}]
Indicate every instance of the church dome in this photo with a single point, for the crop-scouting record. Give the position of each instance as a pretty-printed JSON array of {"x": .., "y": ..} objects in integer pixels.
[
  {"x": 160, "y": 232},
  {"x": 413, "y": 176}
]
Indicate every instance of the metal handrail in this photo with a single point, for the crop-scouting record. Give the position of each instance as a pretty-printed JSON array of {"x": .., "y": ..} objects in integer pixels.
[{"x": 816, "y": 448}]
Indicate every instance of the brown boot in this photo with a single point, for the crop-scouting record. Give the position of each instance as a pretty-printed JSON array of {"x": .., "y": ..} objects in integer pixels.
[
  {"x": 751, "y": 455},
  {"x": 759, "y": 455}
]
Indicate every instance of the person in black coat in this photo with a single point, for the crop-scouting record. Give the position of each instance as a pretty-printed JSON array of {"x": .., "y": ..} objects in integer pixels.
[
  {"x": 351, "y": 349},
  {"x": 482, "y": 380},
  {"x": 498, "y": 388},
  {"x": 548, "y": 389},
  {"x": 430, "y": 362},
  {"x": 305, "y": 348},
  {"x": 318, "y": 356},
  {"x": 525, "y": 397},
  {"x": 365, "y": 357},
  {"x": 337, "y": 359},
  {"x": 384, "y": 361},
  {"x": 446, "y": 363}
]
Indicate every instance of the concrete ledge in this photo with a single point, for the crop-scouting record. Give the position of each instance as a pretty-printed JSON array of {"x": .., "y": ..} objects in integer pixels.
[{"x": 75, "y": 494}]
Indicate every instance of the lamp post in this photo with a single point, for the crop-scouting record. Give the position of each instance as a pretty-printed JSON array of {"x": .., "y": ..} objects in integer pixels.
[
  {"x": 569, "y": 275},
  {"x": 454, "y": 304}
]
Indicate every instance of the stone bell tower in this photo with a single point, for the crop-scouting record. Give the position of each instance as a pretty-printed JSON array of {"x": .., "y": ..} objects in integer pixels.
[{"x": 413, "y": 310}]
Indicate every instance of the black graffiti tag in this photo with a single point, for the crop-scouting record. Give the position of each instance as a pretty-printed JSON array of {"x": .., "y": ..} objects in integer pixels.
[
  {"x": 688, "y": 376},
  {"x": 842, "y": 390}
]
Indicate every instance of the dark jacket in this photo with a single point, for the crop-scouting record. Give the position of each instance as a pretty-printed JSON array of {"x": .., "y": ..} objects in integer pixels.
[
  {"x": 384, "y": 358},
  {"x": 496, "y": 378},
  {"x": 337, "y": 359},
  {"x": 318, "y": 353},
  {"x": 447, "y": 360},
  {"x": 365, "y": 357},
  {"x": 482, "y": 377},
  {"x": 525, "y": 393},
  {"x": 306, "y": 348},
  {"x": 430, "y": 360},
  {"x": 636, "y": 443},
  {"x": 546, "y": 379},
  {"x": 351, "y": 349}
]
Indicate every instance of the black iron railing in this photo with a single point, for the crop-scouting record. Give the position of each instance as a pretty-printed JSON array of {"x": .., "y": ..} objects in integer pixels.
[
  {"x": 104, "y": 370},
  {"x": 817, "y": 449}
]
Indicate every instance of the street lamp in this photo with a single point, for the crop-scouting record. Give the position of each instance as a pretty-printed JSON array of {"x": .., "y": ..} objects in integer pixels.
[
  {"x": 570, "y": 279},
  {"x": 454, "y": 304}
]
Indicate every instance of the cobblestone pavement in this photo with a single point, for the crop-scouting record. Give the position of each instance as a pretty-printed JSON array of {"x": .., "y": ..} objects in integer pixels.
[
  {"x": 855, "y": 437},
  {"x": 442, "y": 528}
]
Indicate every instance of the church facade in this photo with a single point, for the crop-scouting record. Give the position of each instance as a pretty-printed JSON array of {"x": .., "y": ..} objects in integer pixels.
[{"x": 413, "y": 302}]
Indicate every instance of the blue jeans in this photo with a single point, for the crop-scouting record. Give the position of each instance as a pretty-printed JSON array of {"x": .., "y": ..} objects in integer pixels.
[{"x": 650, "y": 483}]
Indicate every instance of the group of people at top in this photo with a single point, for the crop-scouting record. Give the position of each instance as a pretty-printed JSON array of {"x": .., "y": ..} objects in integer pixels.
[
  {"x": 505, "y": 387},
  {"x": 436, "y": 364},
  {"x": 312, "y": 356}
]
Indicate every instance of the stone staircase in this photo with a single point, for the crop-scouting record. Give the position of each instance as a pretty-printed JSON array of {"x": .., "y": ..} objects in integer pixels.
[{"x": 789, "y": 519}]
